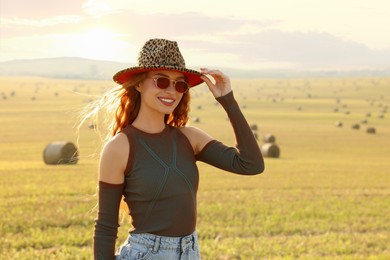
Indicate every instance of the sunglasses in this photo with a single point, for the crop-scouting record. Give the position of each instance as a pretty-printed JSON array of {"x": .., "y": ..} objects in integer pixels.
[{"x": 163, "y": 83}]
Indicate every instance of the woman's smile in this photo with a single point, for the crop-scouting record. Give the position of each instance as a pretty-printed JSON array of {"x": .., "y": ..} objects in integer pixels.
[{"x": 167, "y": 101}]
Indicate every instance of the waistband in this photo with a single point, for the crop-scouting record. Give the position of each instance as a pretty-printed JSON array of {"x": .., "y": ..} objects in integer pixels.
[{"x": 164, "y": 242}]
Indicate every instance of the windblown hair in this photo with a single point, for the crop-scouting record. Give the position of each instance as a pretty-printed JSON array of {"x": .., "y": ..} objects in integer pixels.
[{"x": 120, "y": 107}]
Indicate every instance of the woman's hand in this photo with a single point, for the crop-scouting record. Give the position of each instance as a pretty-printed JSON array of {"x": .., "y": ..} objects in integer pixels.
[{"x": 221, "y": 85}]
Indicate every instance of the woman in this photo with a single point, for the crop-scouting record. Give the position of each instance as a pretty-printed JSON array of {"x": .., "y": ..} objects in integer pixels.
[{"x": 151, "y": 158}]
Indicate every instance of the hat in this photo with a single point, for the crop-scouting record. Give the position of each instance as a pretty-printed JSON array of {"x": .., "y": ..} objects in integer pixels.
[{"x": 159, "y": 54}]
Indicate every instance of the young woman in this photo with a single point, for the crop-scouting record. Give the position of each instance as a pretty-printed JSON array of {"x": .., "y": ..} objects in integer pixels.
[{"x": 151, "y": 157}]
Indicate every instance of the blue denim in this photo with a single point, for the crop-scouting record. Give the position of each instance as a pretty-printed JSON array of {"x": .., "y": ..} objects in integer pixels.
[{"x": 149, "y": 246}]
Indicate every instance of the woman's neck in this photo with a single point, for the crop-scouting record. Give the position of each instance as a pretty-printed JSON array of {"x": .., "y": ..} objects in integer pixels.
[{"x": 149, "y": 123}]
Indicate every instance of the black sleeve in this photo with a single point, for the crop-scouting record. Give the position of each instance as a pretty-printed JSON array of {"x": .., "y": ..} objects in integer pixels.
[
  {"x": 106, "y": 223},
  {"x": 246, "y": 157}
]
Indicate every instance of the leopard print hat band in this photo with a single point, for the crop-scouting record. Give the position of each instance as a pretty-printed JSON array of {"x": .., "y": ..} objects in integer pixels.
[{"x": 159, "y": 54}]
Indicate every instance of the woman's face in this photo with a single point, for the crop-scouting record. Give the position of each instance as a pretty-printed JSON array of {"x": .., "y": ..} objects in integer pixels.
[{"x": 158, "y": 100}]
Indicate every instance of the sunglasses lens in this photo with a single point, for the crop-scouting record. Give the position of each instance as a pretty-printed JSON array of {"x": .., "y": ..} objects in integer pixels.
[
  {"x": 181, "y": 86},
  {"x": 163, "y": 83}
]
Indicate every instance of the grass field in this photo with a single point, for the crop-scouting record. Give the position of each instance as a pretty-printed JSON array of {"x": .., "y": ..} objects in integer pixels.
[{"x": 327, "y": 196}]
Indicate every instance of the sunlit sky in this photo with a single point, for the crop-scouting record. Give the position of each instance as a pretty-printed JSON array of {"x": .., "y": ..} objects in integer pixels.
[{"x": 247, "y": 34}]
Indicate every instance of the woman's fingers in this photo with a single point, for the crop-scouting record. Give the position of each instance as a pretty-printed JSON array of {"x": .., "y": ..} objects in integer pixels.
[{"x": 222, "y": 82}]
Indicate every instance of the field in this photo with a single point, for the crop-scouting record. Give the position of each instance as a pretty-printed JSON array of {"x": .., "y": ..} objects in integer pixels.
[{"x": 327, "y": 196}]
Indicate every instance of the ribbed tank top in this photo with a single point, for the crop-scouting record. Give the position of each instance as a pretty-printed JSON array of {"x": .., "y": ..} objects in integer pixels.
[{"x": 161, "y": 182}]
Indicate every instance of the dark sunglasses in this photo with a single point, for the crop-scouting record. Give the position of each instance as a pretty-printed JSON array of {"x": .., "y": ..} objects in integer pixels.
[{"x": 163, "y": 83}]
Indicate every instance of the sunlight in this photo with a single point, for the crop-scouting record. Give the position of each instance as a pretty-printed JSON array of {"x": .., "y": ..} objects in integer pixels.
[{"x": 98, "y": 43}]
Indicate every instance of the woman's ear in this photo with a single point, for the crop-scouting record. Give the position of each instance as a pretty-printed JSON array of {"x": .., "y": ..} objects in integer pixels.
[{"x": 138, "y": 87}]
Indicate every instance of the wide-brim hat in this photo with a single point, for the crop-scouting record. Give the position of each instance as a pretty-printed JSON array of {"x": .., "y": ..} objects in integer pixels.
[{"x": 159, "y": 54}]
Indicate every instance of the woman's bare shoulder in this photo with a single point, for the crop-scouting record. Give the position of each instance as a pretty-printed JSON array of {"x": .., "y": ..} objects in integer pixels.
[
  {"x": 197, "y": 137},
  {"x": 113, "y": 159},
  {"x": 116, "y": 144}
]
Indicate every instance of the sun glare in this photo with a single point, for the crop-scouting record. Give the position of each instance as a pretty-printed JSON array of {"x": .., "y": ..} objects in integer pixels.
[{"x": 98, "y": 43}]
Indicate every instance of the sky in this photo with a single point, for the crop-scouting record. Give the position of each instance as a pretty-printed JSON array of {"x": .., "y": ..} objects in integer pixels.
[{"x": 245, "y": 34}]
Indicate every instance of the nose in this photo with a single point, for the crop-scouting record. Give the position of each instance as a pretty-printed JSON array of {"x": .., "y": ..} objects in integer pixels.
[{"x": 171, "y": 87}]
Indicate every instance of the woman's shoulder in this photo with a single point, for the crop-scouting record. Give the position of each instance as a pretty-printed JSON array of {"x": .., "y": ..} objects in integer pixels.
[
  {"x": 116, "y": 144},
  {"x": 197, "y": 137}
]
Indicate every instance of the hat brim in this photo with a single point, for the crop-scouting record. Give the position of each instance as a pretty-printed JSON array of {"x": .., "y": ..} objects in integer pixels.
[{"x": 192, "y": 76}]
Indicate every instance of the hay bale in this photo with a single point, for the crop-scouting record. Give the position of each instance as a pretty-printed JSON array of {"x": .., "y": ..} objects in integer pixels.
[
  {"x": 60, "y": 153},
  {"x": 339, "y": 124},
  {"x": 269, "y": 138},
  {"x": 196, "y": 119},
  {"x": 371, "y": 130},
  {"x": 356, "y": 126},
  {"x": 92, "y": 125},
  {"x": 253, "y": 127},
  {"x": 270, "y": 150}
]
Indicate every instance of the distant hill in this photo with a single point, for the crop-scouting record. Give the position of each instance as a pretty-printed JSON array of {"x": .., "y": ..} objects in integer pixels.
[
  {"x": 80, "y": 68},
  {"x": 67, "y": 68}
]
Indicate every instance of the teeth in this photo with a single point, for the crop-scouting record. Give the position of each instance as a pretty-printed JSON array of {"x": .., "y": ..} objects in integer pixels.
[{"x": 167, "y": 100}]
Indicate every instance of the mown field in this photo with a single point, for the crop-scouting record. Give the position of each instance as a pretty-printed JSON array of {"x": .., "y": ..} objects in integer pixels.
[{"x": 327, "y": 196}]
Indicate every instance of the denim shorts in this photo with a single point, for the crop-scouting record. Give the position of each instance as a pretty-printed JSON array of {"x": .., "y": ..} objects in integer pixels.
[{"x": 149, "y": 246}]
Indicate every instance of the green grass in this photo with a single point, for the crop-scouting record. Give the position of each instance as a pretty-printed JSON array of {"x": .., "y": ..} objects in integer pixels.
[{"x": 326, "y": 197}]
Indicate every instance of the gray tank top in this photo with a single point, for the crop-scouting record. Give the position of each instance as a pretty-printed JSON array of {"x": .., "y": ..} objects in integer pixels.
[{"x": 161, "y": 182}]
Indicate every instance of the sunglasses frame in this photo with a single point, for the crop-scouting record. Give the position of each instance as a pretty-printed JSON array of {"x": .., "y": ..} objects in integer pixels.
[{"x": 156, "y": 78}]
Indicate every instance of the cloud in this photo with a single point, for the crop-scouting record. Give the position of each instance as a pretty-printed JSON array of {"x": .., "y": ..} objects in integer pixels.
[
  {"x": 98, "y": 8},
  {"x": 249, "y": 41},
  {"x": 309, "y": 50},
  {"x": 229, "y": 40},
  {"x": 51, "y": 21}
]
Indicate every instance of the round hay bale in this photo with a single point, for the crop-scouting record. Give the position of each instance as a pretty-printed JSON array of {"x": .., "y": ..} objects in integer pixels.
[
  {"x": 196, "y": 119},
  {"x": 60, "y": 153},
  {"x": 356, "y": 126},
  {"x": 371, "y": 130},
  {"x": 253, "y": 127},
  {"x": 339, "y": 124},
  {"x": 270, "y": 150},
  {"x": 269, "y": 138},
  {"x": 92, "y": 125},
  {"x": 363, "y": 121}
]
